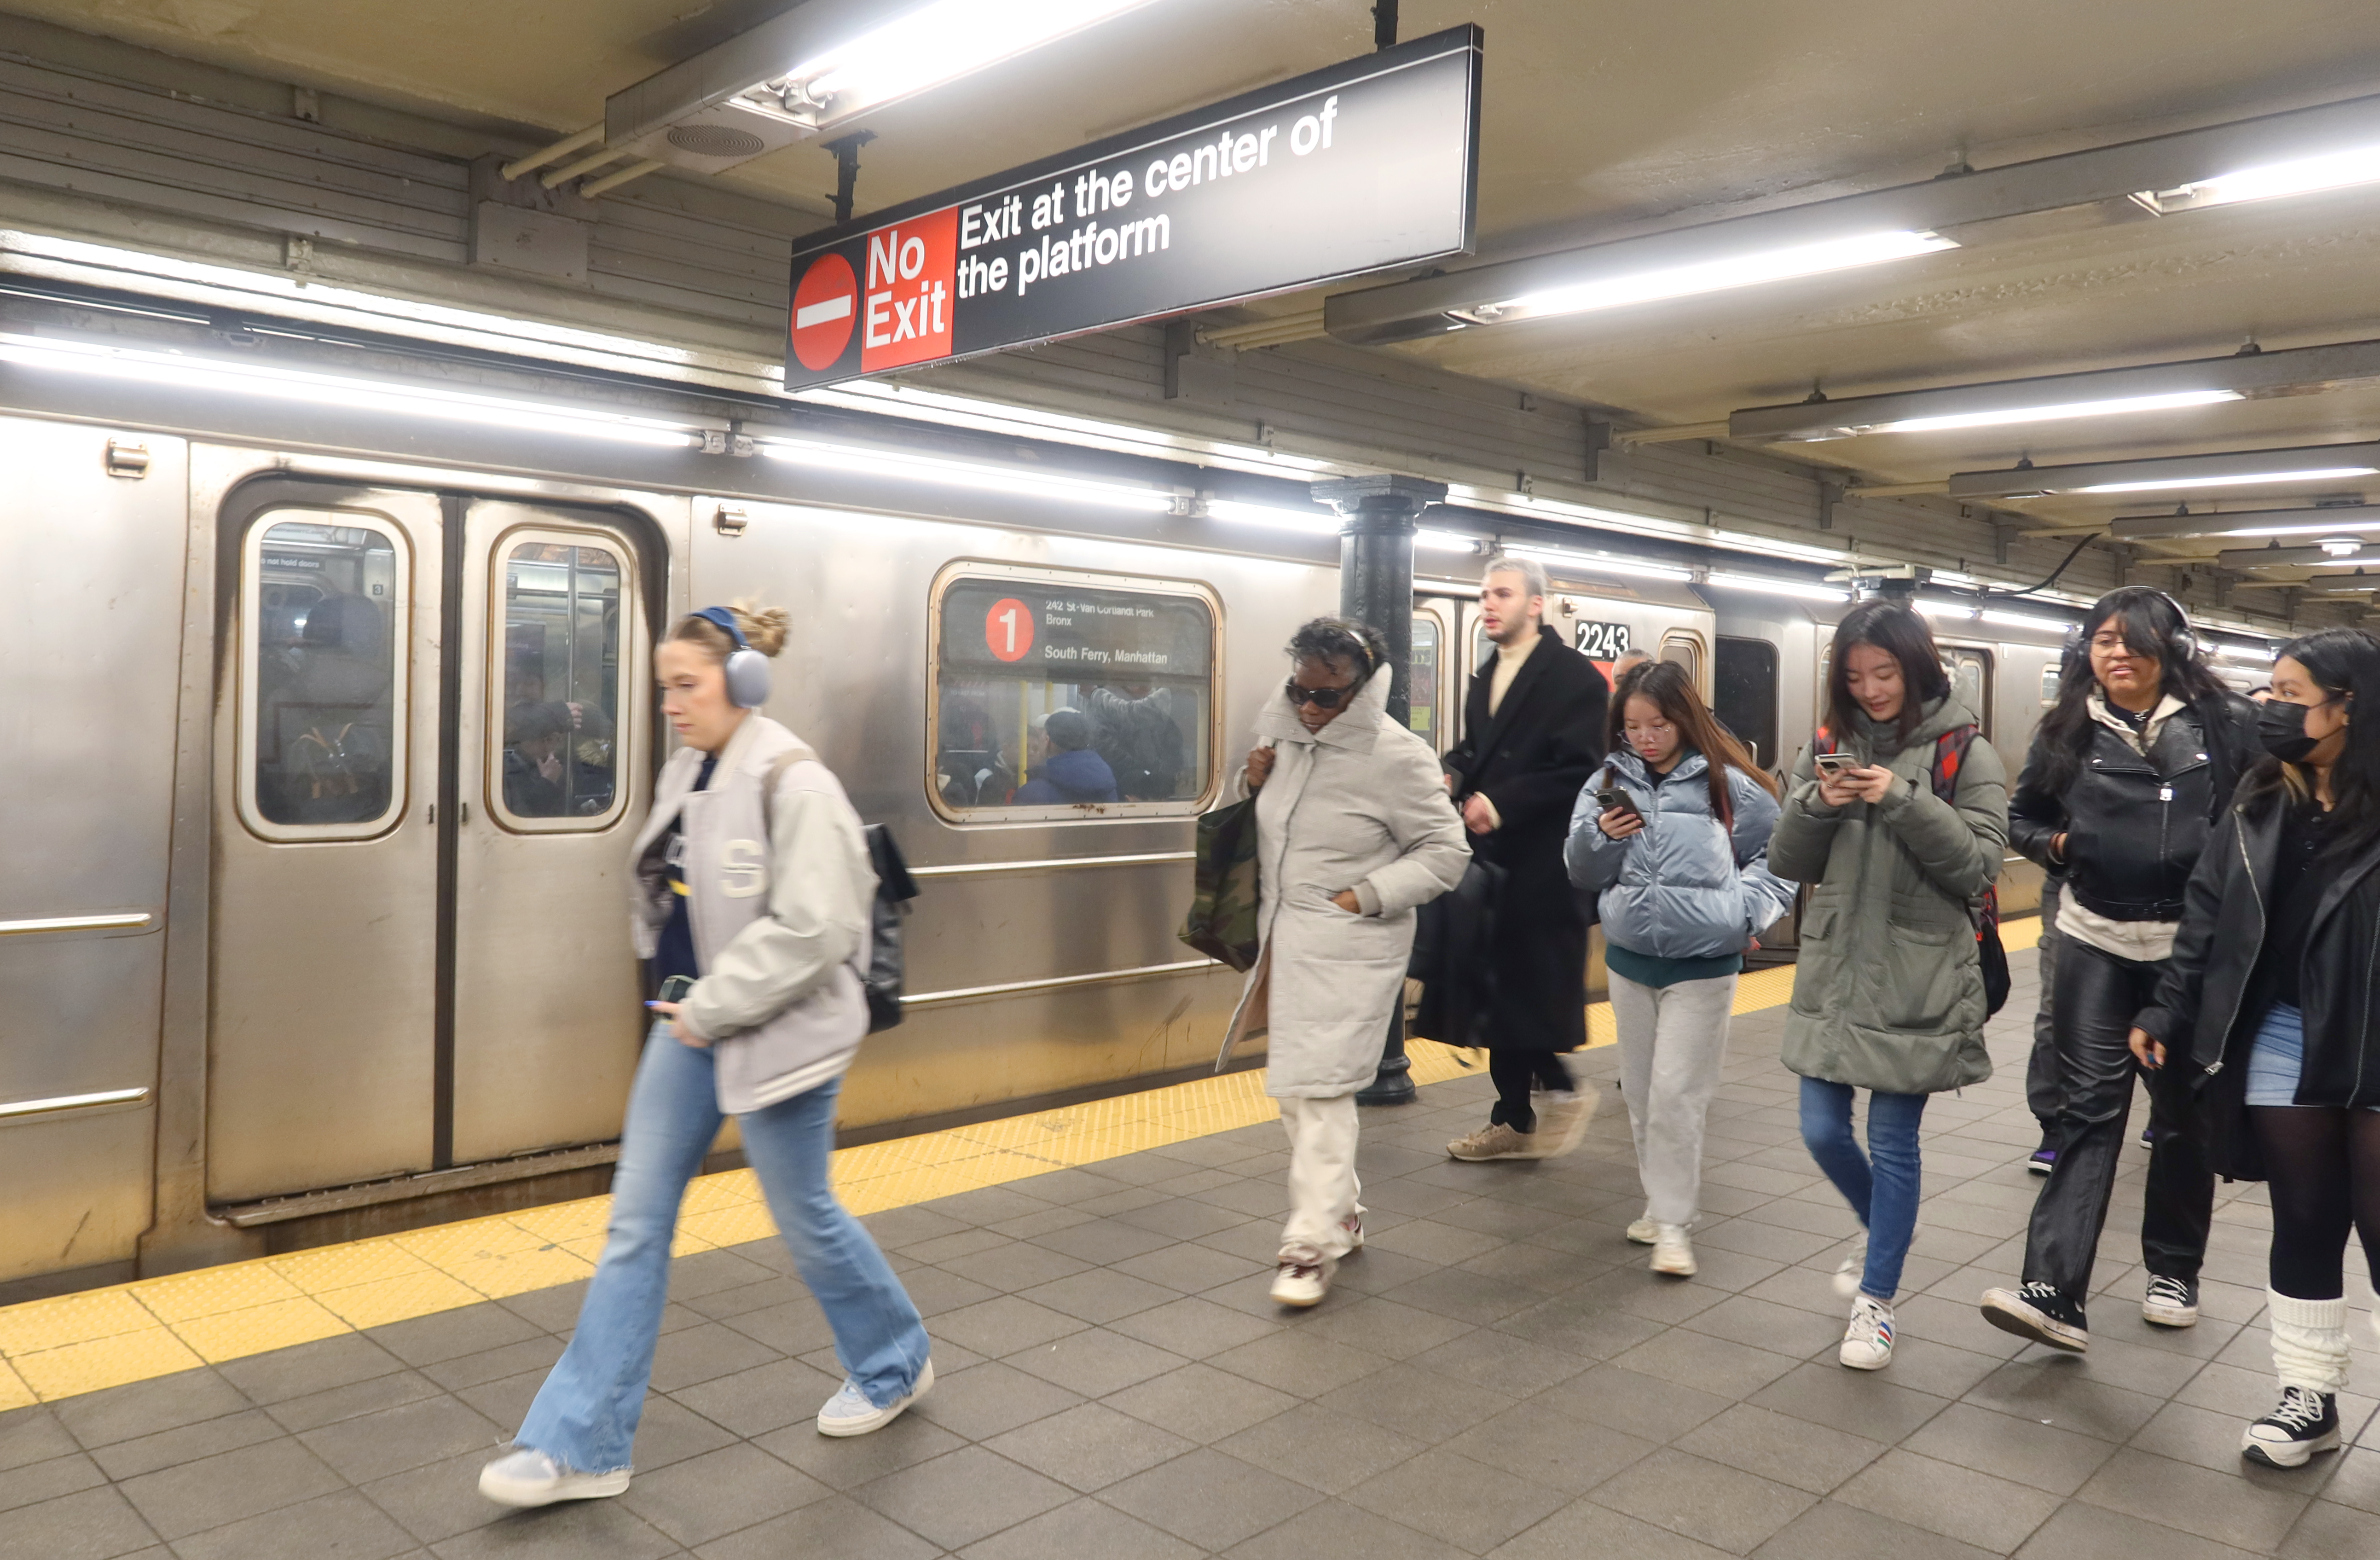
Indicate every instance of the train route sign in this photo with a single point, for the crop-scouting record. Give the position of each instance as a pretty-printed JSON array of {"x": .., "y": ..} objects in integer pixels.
[{"x": 1350, "y": 169}]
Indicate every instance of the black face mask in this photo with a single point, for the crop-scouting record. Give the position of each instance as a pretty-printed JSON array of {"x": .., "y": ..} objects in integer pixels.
[{"x": 2281, "y": 727}]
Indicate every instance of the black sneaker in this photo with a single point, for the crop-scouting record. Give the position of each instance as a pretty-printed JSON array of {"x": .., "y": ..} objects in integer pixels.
[
  {"x": 2043, "y": 1161},
  {"x": 2304, "y": 1424},
  {"x": 2171, "y": 1302},
  {"x": 2039, "y": 1313}
]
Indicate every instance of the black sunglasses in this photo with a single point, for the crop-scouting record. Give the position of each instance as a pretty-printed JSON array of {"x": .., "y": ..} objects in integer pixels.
[{"x": 1328, "y": 698}]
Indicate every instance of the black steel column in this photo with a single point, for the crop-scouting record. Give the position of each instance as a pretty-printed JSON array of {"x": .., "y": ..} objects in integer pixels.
[{"x": 1378, "y": 516}]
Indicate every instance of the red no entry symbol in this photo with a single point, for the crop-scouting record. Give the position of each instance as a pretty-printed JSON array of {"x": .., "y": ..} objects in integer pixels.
[
  {"x": 826, "y": 306},
  {"x": 1008, "y": 628}
]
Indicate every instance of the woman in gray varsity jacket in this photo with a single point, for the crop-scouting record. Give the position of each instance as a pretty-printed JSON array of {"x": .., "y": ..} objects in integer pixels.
[{"x": 751, "y": 888}]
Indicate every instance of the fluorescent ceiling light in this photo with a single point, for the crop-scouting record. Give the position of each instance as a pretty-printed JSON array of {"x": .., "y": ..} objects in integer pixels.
[
  {"x": 2026, "y": 620},
  {"x": 2113, "y": 407},
  {"x": 969, "y": 474},
  {"x": 1431, "y": 539},
  {"x": 1599, "y": 563},
  {"x": 2320, "y": 520},
  {"x": 2241, "y": 479},
  {"x": 1938, "y": 606},
  {"x": 2298, "y": 176},
  {"x": 1714, "y": 275},
  {"x": 216, "y": 376},
  {"x": 1282, "y": 519},
  {"x": 1802, "y": 588}
]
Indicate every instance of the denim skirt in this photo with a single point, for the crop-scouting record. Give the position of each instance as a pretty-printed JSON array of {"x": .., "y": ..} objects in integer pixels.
[{"x": 2277, "y": 1057}]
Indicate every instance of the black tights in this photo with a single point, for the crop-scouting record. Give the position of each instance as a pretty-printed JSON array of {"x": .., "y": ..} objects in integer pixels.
[
  {"x": 2325, "y": 1170},
  {"x": 1514, "y": 1072}
]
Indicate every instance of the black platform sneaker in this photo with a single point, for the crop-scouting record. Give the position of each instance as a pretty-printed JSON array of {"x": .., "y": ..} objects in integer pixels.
[
  {"x": 2039, "y": 1313},
  {"x": 2306, "y": 1423}
]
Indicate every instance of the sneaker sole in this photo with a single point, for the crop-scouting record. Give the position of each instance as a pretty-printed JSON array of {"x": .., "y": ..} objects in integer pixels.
[
  {"x": 2292, "y": 1455},
  {"x": 1686, "y": 1269},
  {"x": 593, "y": 1487},
  {"x": 843, "y": 1430},
  {"x": 2169, "y": 1316},
  {"x": 1635, "y": 1239},
  {"x": 2038, "y": 1329},
  {"x": 2038, "y": 1168},
  {"x": 1453, "y": 1153},
  {"x": 1298, "y": 1302},
  {"x": 1850, "y": 1364}
]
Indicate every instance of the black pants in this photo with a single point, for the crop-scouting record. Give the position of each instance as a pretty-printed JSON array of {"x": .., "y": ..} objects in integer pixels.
[
  {"x": 1514, "y": 1072},
  {"x": 2041, "y": 1070},
  {"x": 2325, "y": 1165},
  {"x": 2097, "y": 996}
]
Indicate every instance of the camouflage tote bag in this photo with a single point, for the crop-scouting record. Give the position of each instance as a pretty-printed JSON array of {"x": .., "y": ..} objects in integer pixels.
[{"x": 1223, "y": 920}]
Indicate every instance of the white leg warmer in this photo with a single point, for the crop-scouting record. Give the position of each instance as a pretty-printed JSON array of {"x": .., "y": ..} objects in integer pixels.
[{"x": 2309, "y": 1342}]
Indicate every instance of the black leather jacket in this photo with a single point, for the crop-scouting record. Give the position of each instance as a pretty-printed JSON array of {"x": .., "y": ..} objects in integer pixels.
[
  {"x": 2135, "y": 823},
  {"x": 2207, "y": 1004}
]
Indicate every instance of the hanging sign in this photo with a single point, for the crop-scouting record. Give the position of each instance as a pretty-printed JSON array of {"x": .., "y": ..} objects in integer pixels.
[{"x": 1365, "y": 165}]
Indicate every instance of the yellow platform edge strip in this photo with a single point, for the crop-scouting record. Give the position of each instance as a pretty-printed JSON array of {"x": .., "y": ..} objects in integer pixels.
[{"x": 99, "y": 1338}]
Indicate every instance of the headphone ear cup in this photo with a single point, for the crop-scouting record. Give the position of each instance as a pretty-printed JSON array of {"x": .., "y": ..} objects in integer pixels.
[{"x": 747, "y": 679}]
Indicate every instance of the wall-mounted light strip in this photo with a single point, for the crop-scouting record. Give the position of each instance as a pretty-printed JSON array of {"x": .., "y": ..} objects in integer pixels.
[
  {"x": 2026, "y": 620},
  {"x": 130, "y": 920},
  {"x": 2316, "y": 521},
  {"x": 71, "y": 1102},
  {"x": 1804, "y": 589},
  {"x": 216, "y": 376},
  {"x": 1598, "y": 562},
  {"x": 969, "y": 474}
]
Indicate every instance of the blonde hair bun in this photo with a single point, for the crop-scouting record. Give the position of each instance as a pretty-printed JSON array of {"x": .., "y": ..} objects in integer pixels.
[{"x": 764, "y": 627}]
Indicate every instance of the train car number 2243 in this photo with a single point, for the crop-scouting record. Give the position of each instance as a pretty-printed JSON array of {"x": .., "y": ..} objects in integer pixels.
[{"x": 1602, "y": 642}]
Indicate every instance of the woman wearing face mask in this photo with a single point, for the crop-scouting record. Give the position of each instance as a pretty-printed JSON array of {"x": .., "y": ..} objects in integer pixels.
[
  {"x": 1354, "y": 830},
  {"x": 1890, "y": 992},
  {"x": 2126, "y": 777},
  {"x": 763, "y": 944},
  {"x": 2267, "y": 1007},
  {"x": 1683, "y": 885}
]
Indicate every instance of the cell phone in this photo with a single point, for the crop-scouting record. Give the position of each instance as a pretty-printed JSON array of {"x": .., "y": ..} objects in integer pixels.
[
  {"x": 674, "y": 989},
  {"x": 1611, "y": 797},
  {"x": 1835, "y": 763}
]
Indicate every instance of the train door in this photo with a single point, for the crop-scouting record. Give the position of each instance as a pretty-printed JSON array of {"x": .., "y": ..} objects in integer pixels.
[
  {"x": 1745, "y": 695},
  {"x": 1438, "y": 683},
  {"x": 430, "y": 739}
]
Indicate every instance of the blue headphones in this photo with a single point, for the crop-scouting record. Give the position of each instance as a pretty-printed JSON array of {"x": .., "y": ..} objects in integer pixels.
[{"x": 748, "y": 669}]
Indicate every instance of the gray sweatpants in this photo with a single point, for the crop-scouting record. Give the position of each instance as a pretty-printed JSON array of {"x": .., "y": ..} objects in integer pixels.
[{"x": 1672, "y": 1042}]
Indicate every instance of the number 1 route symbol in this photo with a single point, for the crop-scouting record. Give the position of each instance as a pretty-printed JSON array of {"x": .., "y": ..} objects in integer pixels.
[{"x": 1008, "y": 628}]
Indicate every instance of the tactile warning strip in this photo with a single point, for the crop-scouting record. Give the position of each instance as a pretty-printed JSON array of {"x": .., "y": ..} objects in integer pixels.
[{"x": 153, "y": 1327}]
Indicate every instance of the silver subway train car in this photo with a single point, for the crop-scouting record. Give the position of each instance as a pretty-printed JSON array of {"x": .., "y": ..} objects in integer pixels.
[{"x": 330, "y": 736}]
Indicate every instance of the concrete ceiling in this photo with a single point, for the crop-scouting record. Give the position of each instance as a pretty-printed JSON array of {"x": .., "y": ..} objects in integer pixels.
[{"x": 1601, "y": 118}]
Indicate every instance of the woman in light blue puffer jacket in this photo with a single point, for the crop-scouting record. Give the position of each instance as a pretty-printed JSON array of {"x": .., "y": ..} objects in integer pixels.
[{"x": 1680, "y": 875}]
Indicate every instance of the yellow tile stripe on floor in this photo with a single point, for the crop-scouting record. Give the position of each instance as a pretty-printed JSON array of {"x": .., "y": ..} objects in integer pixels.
[{"x": 100, "y": 1339}]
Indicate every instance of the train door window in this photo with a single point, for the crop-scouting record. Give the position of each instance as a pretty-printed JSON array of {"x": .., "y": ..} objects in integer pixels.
[
  {"x": 1424, "y": 698},
  {"x": 322, "y": 676},
  {"x": 553, "y": 760},
  {"x": 1744, "y": 694},
  {"x": 1686, "y": 650},
  {"x": 2052, "y": 678},
  {"x": 1061, "y": 696},
  {"x": 1971, "y": 681}
]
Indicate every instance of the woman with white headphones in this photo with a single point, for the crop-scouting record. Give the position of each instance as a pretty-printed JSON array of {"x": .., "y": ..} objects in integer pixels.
[{"x": 751, "y": 890}]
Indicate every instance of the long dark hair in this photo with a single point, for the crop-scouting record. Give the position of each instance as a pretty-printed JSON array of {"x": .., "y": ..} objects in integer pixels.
[
  {"x": 1899, "y": 633},
  {"x": 1666, "y": 684},
  {"x": 2152, "y": 625},
  {"x": 2344, "y": 663}
]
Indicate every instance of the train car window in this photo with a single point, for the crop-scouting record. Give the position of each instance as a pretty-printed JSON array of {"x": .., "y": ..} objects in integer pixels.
[
  {"x": 1065, "y": 697},
  {"x": 2051, "y": 677},
  {"x": 323, "y": 680},
  {"x": 554, "y": 758},
  {"x": 1971, "y": 679},
  {"x": 1687, "y": 652},
  {"x": 1423, "y": 721},
  {"x": 1744, "y": 694}
]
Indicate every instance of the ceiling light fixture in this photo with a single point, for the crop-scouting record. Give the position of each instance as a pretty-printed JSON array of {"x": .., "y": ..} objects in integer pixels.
[
  {"x": 1317, "y": 522},
  {"x": 1802, "y": 588},
  {"x": 2320, "y": 520},
  {"x": 2113, "y": 406},
  {"x": 2327, "y": 553},
  {"x": 970, "y": 474},
  {"x": 1719, "y": 275},
  {"x": 823, "y": 65},
  {"x": 2254, "y": 467},
  {"x": 1940, "y": 607},
  {"x": 2025, "y": 620},
  {"x": 215, "y": 377},
  {"x": 2298, "y": 176},
  {"x": 1598, "y": 562}
]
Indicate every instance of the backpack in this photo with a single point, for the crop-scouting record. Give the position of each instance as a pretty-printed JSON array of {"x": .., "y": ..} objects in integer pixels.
[
  {"x": 1949, "y": 752},
  {"x": 881, "y": 976}
]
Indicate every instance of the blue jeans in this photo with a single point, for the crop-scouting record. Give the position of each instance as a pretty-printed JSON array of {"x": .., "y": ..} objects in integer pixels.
[
  {"x": 1882, "y": 1184},
  {"x": 586, "y": 1413}
]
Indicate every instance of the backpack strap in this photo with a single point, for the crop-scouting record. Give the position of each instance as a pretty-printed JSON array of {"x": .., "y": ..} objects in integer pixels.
[
  {"x": 775, "y": 775},
  {"x": 1949, "y": 752}
]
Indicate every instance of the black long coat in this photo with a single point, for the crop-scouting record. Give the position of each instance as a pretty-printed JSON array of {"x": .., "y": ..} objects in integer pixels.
[{"x": 1530, "y": 759}]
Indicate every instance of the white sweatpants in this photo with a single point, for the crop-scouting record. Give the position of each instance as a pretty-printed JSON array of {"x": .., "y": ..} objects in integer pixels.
[
  {"x": 1322, "y": 1184},
  {"x": 1672, "y": 1042}
]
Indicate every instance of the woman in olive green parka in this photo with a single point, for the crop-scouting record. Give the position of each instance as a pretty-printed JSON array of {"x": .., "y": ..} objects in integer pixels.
[{"x": 1888, "y": 992}]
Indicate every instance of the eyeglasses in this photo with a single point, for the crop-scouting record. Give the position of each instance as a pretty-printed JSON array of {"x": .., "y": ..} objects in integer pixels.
[{"x": 1327, "y": 698}]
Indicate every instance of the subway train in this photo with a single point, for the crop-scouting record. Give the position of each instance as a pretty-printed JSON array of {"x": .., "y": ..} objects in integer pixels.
[{"x": 331, "y": 751}]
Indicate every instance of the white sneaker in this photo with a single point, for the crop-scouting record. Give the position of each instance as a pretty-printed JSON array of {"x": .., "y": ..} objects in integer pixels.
[
  {"x": 526, "y": 1478},
  {"x": 1867, "y": 1342},
  {"x": 1561, "y": 1120},
  {"x": 1303, "y": 1278},
  {"x": 848, "y": 1412},
  {"x": 1643, "y": 1232},
  {"x": 1353, "y": 1224},
  {"x": 1849, "y": 1270},
  {"x": 1672, "y": 1252}
]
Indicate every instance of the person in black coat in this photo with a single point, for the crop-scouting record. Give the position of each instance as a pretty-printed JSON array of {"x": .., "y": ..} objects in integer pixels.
[
  {"x": 2267, "y": 1007},
  {"x": 2128, "y": 774},
  {"x": 1533, "y": 736}
]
